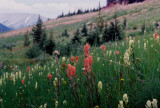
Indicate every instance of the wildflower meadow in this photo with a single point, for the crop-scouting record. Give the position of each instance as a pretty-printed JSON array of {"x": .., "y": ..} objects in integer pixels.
[{"x": 123, "y": 74}]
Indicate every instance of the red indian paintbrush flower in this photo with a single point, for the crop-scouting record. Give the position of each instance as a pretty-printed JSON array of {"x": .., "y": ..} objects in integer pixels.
[
  {"x": 50, "y": 76},
  {"x": 28, "y": 69},
  {"x": 77, "y": 58},
  {"x": 23, "y": 81},
  {"x": 156, "y": 35},
  {"x": 88, "y": 63},
  {"x": 72, "y": 59},
  {"x": 103, "y": 48},
  {"x": 63, "y": 65},
  {"x": 86, "y": 50},
  {"x": 71, "y": 71},
  {"x": 117, "y": 52}
]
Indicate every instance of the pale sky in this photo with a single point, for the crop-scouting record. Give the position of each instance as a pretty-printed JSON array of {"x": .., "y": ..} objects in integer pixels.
[{"x": 47, "y": 8}]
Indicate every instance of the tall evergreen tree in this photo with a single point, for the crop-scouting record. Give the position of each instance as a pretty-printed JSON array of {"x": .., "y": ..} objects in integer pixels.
[
  {"x": 84, "y": 30},
  {"x": 114, "y": 31},
  {"x": 37, "y": 31},
  {"x": 93, "y": 38},
  {"x": 26, "y": 41},
  {"x": 100, "y": 20},
  {"x": 65, "y": 33},
  {"x": 43, "y": 40},
  {"x": 76, "y": 38},
  {"x": 124, "y": 23},
  {"x": 50, "y": 44},
  {"x": 106, "y": 36}
]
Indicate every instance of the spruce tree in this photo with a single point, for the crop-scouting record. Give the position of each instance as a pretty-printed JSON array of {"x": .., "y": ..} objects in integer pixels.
[
  {"x": 37, "y": 31},
  {"x": 76, "y": 38},
  {"x": 106, "y": 36},
  {"x": 100, "y": 20},
  {"x": 115, "y": 31},
  {"x": 43, "y": 40},
  {"x": 26, "y": 41},
  {"x": 84, "y": 30},
  {"x": 93, "y": 38},
  {"x": 50, "y": 45},
  {"x": 124, "y": 23},
  {"x": 143, "y": 28}
]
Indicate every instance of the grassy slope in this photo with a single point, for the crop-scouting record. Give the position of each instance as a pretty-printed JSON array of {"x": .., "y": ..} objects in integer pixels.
[
  {"x": 134, "y": 13},
  {"x": 107, "y": 70}
]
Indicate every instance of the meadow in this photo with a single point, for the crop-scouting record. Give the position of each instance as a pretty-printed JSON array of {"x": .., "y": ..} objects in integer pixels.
[
  {"x": 99, "y": 77},
  {"x": 123, "y": 74}
]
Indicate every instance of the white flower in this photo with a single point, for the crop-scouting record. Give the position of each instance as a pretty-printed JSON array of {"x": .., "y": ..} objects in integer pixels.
[
  {"x": 45, "y": 105},
  {"x": 36, "y": 85},
  {"x": 62, "y": 79},
  {"x": 120, "y": 105},
  {"x": 1, "y": 100},
  {"x": 145, "y": 46},
  {"x": 148, "y": 104},
  {"x": 110, "y": 52},
  {"x": 126, "y": 58},
  {"x": 0, "y": 82},
  {"x": 56, "y": 52},
  {"x": 64, "y": 102},
  {"x": 100, "y": 86},
  {"x": 54, "y": 83},
  {"x": 56, "y": 80},
  {"x": 41, "y": 106},
  {"x": 131, "y": 43},
  {"x": 56, "y": 104},
  {"x": 98, "y": 58},
  {"x": 154, "y": 103},
  {"x": 63, "y": 59},
  {"x": 83, "y": 69},
  {"x": 125, "y": 98}
]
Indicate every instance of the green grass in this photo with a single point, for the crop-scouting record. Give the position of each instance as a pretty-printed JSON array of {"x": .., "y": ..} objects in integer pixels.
[{"x": 141, "y": 81}]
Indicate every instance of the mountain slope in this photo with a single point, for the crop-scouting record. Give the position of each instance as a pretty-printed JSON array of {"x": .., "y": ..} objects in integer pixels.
[
  {"x": 133, "y": 12},
  {"x": 19, "y": 20},
  {"x": 4, "y": 28}
]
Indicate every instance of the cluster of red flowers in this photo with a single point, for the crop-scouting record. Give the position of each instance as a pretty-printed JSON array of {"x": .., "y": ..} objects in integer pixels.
[
  {"x": 63, "y": 65},
  {"x": 88, "y": 63},
  {"x": 50, "y": 76},
  {"x": 156, "y": 35},
  {"x": 86, "y": 50},
  {"x": 74, "y": 59},
  {"x": 88, "y": 59},
  {"x": 103, "y": 48},
  {"x": 117, "y": 52},
  {"x": 28, "y": 69},
  {"x": 71, "y": 71},
  {"x": 23, "y": 81}
]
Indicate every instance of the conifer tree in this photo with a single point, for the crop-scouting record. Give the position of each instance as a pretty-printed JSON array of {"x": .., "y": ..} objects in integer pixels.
[
  {"x": 37, "y": 31},
  {"x": 50, "y": 45},
  {"x": 124, "y": 23},
  {"x": 76, "y": 38},
  {"x": 84, "y": 30},
  {"x": 26, "y": 41},
  {"x": 115, "y": 31}
]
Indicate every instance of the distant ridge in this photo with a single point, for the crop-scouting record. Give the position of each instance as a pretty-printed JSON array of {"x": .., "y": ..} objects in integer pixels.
[
  {"x": 19, "y": 20},
  {"x": 4, "y": 28}
]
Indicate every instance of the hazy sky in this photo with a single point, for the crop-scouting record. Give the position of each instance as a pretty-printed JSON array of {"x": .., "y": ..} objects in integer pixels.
[{"x": 47, "y": 8}]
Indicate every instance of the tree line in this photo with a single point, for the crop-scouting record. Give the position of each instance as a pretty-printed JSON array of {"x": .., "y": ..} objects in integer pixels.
[{"x": 79, "y": 11}]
